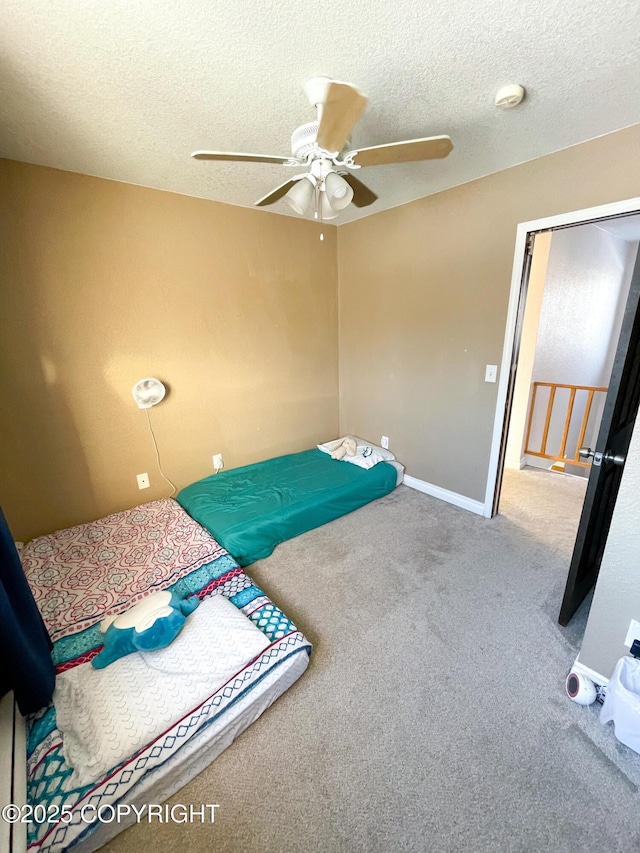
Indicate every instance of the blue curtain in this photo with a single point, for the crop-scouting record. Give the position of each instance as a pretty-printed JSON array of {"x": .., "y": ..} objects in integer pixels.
[{"x": 26, "y": 666}]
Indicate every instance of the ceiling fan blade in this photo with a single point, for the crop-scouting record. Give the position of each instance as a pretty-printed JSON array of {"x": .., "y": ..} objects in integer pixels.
[
  {"x": 340, "y": 111},
  {"x": 243, "y": 158},
  {"x": 429, "y": 148},
  {"x": 276, "y": 194},
  {"x": 362, "y": 195}
]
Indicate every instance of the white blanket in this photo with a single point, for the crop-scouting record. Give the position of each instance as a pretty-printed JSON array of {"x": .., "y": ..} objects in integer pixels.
[{"x": 107, "y": 715}]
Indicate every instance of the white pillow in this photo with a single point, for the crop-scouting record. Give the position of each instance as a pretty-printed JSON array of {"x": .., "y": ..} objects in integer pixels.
[
  {"x": 107, "y": 715},
  {"x": 376, "y": 454},
  {"x": 372, "y": 458}
]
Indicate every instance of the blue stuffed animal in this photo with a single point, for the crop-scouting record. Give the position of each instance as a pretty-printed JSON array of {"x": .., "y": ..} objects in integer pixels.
[{"x": 151, "y": 624}]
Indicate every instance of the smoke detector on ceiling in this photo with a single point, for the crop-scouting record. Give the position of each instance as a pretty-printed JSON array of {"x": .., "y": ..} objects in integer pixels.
[{"x": 509, "y": 96}]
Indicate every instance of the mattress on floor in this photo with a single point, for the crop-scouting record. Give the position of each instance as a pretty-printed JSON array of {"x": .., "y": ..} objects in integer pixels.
[
  {"x": 252, "y": 509},
  {"x": 81, "y": 575}
]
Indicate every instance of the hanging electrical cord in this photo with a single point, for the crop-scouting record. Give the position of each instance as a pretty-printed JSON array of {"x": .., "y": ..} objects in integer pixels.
[
  {"x": 155, "y": 445},
  {"x": 317, "y": 213},
  {"x": 149, "y": 392}
]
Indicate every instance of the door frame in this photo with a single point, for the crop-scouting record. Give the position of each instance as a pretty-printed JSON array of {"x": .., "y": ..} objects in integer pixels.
[{"x": 508, "y": 365}]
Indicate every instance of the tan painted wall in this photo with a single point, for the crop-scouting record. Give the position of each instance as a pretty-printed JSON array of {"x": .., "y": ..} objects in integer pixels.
[
  {"x": 423, "y": 299},
  {"x": 102, "y": 284}
]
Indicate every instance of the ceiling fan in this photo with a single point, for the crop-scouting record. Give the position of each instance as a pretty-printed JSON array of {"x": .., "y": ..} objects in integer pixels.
[{"x": 320, "y": 145}]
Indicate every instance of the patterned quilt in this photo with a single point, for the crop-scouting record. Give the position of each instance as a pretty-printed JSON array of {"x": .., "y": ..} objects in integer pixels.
[{"x": 85, "y": 573}]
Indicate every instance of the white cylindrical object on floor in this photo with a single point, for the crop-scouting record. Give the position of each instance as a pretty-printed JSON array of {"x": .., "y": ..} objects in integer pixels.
[{"x": 581, "y": 689}]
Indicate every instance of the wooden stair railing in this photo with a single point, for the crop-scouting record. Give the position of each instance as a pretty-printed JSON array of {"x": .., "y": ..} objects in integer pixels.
[{"x": 562, "y": 455}]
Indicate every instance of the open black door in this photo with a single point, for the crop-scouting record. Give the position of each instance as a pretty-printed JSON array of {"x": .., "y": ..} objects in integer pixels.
[{"x": 621, "y": 407}]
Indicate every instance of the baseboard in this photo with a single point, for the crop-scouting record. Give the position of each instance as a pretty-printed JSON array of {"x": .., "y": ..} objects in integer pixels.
[
  {"x": 516, "y": 464},
  {"x": 444, "y": 494},
  {"x": 581, "y": 669}
]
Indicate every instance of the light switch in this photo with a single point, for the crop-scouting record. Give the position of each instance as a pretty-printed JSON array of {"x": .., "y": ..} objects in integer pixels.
[{"x": 491, "y": 373}]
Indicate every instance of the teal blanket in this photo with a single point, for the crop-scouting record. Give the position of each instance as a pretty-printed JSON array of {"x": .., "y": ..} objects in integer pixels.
[{"x": 252, "y": 509}]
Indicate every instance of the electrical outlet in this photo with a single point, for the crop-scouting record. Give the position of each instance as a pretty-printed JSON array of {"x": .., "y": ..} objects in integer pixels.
[
  {"x": 217, "y": 461},
  {"x": 490, "y": 373},
  {"x": 384, "y": 442},
  {"x": 632, "y": 634},
  {"x": 143, "y": 481}
]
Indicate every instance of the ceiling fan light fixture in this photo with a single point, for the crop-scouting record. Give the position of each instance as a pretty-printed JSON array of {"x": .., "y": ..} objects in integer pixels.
[
  {"x": 326, "y": 209},
  {"x": 300, "y": 195},
  {"x": 338, "y": 191}
]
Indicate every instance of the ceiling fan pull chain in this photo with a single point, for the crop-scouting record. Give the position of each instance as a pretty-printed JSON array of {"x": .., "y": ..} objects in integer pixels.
[{"x": 318, "y": 208}]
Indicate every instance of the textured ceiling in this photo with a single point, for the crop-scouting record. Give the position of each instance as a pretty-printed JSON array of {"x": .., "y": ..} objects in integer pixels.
[{"x": 128, "y": 90}]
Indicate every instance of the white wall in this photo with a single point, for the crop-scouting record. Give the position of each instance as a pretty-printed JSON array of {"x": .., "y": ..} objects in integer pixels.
[{"x": 585, "y": 290}]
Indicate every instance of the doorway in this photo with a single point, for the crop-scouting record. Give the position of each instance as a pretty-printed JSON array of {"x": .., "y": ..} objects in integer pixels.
[
  {"x": 620, "y": 218},
  {"x": 576, "y": 295}
]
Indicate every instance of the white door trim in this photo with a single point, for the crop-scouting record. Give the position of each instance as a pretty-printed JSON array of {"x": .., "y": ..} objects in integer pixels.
[{"x": 576, "y": 217}]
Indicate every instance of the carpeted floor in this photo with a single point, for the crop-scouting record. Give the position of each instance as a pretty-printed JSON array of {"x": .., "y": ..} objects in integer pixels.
[{"x": 433, "y": 716}]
